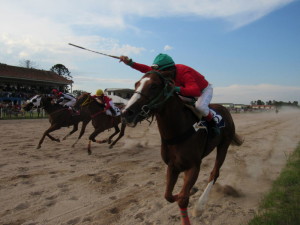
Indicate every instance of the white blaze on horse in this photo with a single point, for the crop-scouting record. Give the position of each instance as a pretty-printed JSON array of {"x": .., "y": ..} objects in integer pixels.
[{"x": 183, "y": 145}]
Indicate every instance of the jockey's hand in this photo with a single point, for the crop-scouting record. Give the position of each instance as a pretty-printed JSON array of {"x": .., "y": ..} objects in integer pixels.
[{"x": 125, "y": 60}]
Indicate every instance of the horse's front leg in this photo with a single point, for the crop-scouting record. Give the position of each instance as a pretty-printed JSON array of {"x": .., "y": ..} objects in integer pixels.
[
  {"x": 172, "y": 177},
  {"x": 46, "y": 133},
  {"x": 83, "y": 126},
  {"x": 117, "y": 130},
  {"x": 92, "y": 138},
  {"x": 121, "y": 134},
  {"x": 190, "y": 178}
]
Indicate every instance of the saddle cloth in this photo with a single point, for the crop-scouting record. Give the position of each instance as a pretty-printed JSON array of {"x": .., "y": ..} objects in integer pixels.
[
  {"x": 117, "y": 110},
  {"x": 203, "y": 123}
]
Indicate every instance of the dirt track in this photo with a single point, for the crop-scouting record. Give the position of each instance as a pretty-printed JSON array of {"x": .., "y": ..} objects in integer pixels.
[{"x": 125, "y": 185}]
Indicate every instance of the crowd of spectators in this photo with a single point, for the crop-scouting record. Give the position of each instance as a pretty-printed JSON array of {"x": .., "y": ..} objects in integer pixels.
[
  {"x": 22, "y": 92},
  {"x": 13, "y": 96}
]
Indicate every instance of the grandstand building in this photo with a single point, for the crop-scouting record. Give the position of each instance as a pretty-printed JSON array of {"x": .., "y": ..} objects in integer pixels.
[{"x": 17, "y": 84}]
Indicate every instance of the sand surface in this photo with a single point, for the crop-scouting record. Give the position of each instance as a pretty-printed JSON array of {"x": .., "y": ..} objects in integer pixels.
[{"x": 125, "y": 185}]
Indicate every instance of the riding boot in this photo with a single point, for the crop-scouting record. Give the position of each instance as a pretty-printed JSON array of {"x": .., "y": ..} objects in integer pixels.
[
  {"x": 213, "y": 128},
  {"x": 73, "y": 111},
  {"x": 113, "y": 112}
]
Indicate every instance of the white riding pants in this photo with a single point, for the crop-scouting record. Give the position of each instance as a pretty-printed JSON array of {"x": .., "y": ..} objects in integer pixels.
[
  {"x": 70, "y": 103},
  {"x": 204, "y": 100}
]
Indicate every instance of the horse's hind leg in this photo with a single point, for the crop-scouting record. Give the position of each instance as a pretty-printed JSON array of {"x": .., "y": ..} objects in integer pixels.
[
  {"x": 221, "y": 155},
  {"x": 75, "y": 128}
]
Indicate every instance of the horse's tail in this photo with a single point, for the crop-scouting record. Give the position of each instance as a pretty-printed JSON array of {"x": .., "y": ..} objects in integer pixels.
[{"x": 237, "y": 140}]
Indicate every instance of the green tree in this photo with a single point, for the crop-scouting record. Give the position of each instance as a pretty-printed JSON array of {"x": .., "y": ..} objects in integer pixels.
[
  {"x": 61, "y": 70},
  {"x": 260, "y": 102}
]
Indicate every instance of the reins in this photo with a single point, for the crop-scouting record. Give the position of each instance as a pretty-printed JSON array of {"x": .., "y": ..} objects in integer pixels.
[{"x": 86, "y": 102}]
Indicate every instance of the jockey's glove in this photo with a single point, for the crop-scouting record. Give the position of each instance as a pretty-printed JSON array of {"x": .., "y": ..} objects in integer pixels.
[
  {"x": 126, "y": 60},
  {"x": 177, "y": 89}
]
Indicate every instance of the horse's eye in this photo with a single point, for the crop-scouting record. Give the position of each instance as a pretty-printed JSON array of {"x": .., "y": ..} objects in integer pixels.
[{"x": 154, "y": 86}]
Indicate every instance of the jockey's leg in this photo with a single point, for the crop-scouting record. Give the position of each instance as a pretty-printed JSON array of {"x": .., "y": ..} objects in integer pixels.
[{"x": 202, "y": 105}]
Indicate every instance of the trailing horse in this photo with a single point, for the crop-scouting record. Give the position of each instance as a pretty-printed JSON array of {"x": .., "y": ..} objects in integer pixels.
[
  {"x": 100, "y": 120},
  {"x": 59, "y": 116},
  {"x": 184, "y": 141}
]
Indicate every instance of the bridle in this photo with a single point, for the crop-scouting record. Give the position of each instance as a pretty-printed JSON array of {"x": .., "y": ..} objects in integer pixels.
[
  {"x": 87, "y": 101},
  {"x": 166, "y": 92}
]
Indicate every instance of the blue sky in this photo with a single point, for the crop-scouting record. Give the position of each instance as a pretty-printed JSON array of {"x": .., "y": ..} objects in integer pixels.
[{"x": 248, "y": 50}]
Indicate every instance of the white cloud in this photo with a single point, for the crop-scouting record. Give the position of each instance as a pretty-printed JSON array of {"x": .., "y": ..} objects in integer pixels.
[
  {"x": 168, "y": 47},
  {"x": 244, "y": 94},
  {"x": 32, "y": 28}
]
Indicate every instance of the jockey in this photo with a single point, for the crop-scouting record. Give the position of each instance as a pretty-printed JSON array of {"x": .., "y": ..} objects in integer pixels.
[
  {"x": 66, "y": 100},
  {"x": 101, "y": 98},
  {"x": 188, "y": 82}
]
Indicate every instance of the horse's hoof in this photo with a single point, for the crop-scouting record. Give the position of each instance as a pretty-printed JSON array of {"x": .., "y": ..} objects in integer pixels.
[
  {"x": 38, "y": 147},
  {"x": 193, "y": 191},
  {"x": 197, "y": 212}
]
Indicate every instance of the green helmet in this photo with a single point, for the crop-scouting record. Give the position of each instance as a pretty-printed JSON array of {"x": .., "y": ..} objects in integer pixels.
[{"x": 162, "y": 61}]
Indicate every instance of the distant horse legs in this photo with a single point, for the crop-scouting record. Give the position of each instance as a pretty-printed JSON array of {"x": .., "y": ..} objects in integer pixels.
[
  {"x": 84, "y": 124},
  {"x": 47, "y": 132},
  {"x": 75, "y": 128},
  {"x": 117, "y": 130},
  {"x": 121, "y": 134},
  {"x": 92, "y": 138}
]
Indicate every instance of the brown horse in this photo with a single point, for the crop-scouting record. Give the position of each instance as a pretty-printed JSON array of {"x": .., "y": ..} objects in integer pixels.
[
  {"x": 100, "y": 120},
  {"x": 183, "y": 145},
  {"x": 59, "y": 117}
]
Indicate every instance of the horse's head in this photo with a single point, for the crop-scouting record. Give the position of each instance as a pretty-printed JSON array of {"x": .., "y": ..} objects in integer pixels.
[
  {"x": 82, "y": 100},
  {"x": 46, "y": 101},
  {"x": 35, "y": 101},
  {"x": 151, "y": 91}
]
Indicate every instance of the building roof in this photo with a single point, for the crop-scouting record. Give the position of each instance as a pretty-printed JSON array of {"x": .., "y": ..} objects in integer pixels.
[
  {"x": 21, "y": 73},
  {"x": 119, "y": 89},
  {"x": 117, "y": 99}
]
